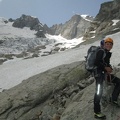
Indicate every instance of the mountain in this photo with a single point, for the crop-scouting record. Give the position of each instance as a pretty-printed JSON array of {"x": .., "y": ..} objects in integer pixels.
[
  {"x": 106, "y": 22},
  {"x": 18, "y": 39},
  {"x": 33, "y": 23},
  {"x": 26, "y": 37},
  {"x": 74, "y": 28}
]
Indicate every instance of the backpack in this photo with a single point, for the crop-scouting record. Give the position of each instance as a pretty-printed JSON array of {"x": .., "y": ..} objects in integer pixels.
[{"x": 90, "y": 58}]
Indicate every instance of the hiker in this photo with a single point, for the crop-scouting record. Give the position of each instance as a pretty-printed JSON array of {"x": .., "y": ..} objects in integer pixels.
[{"x": 103, "y": 68}]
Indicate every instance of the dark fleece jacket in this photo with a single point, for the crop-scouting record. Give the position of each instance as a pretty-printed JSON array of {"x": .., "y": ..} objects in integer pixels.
[{"x": 103, "y": 59}]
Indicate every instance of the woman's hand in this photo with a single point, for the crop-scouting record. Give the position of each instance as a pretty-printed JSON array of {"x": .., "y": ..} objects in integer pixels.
[{"x": 108, "y": 70}]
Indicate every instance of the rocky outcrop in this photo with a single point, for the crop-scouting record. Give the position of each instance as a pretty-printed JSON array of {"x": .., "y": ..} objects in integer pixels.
[
  {"x": 73, "y": 28},
  {"x": 33, "y": 23},
  {"x": 11, "y": 20},
  {"x": 21, "y": 47},
  {"x": 40, "y": 34},
  {"x": 62, "y": 93},
  {"x": 28, "y": 21},
  {"x": 40, "y": 96},
  {"x": 56, "y": 29},
  {"x": 103, "y": 22},
  {"x": 109, "y": 11},
  {"x": 81, "y": 107}
]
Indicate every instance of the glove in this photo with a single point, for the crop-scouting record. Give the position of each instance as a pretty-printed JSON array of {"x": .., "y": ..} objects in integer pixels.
[{"x": 108, "y": 70}]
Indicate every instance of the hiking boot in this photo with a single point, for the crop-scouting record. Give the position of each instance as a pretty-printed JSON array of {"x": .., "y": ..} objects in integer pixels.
[
  {"x": 115, "y": 103},
  {"x": 99, "y": 115}
]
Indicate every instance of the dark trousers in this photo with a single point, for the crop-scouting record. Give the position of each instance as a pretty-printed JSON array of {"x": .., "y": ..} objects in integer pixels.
[{"x": 100, "y": 77}]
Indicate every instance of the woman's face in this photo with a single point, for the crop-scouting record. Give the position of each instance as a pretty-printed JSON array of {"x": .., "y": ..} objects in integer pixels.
[{"x": 108, "y": 46}]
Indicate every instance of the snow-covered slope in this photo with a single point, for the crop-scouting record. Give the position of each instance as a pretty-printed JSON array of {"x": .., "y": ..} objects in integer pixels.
[
  {"x": 15, "y": 71},
  {"x": 16, "y": 40},
  {"x": 6, "y": 30}
]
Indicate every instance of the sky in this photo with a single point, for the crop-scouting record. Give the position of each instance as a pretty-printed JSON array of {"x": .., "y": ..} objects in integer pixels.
[{"x": 49, "y": 12}]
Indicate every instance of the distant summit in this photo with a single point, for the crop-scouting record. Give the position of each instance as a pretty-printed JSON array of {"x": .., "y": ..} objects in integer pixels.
[
  {"x": 32, "y": 22},
  {"x": 73, "y": 28}
]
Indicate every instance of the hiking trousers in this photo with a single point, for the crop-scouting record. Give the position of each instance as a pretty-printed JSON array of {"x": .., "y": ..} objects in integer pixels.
[{"x": 100, "y": 77}]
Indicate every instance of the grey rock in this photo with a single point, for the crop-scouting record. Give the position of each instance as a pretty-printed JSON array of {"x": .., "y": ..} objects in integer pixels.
[
  {"x": 81, "y": 85},
  {"x": 35, "y": 55},
  {"x": 103, "y": 24},
  {"x": 33, "y": 23},
  {"x": 73, "y": 28},
  {"x": 56, "y": 49},
  {"x": 53, "y": 93},
  {"x": 2, "y": 60},
  {"x": 11, "y": 20},
  {"x": 56, "y": 117},
  {"x": 26, "y": 100},
  {"x": 40, "y": 34},
  {"x": 27, "y": 21}
]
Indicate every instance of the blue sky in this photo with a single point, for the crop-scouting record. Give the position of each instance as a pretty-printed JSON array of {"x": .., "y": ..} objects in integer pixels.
[{"x": 49, "y": 11}]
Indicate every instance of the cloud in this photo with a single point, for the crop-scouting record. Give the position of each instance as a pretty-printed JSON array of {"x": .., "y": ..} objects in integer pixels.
[{"x": 0, "y": 0}]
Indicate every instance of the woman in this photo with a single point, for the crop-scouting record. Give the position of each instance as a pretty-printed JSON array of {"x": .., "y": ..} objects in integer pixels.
[{"x": 104, "y": 68}]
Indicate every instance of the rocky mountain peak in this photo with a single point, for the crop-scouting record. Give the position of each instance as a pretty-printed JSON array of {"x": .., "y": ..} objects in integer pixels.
[
  {"x": 33, "y": 23},
  {"x": 73, "y": 28},
  {"x": 103, "y": 23},
  {"x": 109, "y": 11},
  {"x": 76, "y": 18},
  {"x": 27, "y": 21}
]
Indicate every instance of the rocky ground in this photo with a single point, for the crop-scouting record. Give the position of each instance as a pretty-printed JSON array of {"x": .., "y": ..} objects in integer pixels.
[{"x": 62, "y": 93}]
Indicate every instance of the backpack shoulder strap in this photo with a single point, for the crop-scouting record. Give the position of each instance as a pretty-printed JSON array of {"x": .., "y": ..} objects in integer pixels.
[{"x": 104, "y": 54}]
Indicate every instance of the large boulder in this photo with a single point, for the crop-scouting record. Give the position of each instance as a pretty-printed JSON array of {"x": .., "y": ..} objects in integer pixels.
[
  {"x": 27, "y": 101},
  {"x": 62, "y": 93}
]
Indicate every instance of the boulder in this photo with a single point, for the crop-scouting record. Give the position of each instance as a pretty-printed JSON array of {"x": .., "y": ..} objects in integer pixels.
[{"x": 33, "y": 98}]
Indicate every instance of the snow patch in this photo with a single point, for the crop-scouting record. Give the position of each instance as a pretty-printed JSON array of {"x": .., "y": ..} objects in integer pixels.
[
  {"x": 115, "y": 22},
  {"x": 7, "y": 31},
  {"x": 68, "y": 43},
  {"x": 85, "y": 17}
]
